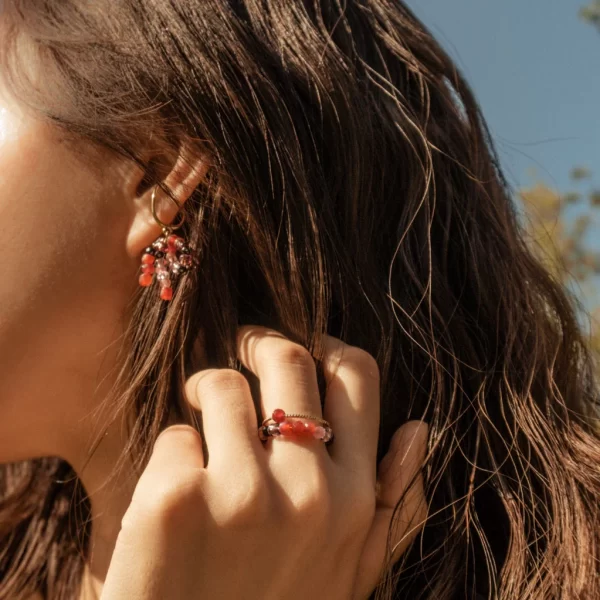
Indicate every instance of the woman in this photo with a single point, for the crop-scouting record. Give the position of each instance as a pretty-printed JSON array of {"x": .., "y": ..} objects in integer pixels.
[{"x": 353, "y": 255}]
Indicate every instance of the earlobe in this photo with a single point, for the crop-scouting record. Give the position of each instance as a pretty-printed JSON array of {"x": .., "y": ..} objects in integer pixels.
[{"x": 187, "y": 172}]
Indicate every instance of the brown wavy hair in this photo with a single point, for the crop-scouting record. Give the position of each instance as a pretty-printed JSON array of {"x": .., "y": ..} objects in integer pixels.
[{"x": 354, "y": 189}]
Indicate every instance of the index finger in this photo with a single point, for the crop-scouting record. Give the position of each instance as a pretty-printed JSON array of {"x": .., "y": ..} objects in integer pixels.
[{"x": 352, "y": 405}]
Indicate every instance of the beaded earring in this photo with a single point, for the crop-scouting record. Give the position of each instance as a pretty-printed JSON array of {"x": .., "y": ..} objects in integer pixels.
[{"x": 168, "y": 257}]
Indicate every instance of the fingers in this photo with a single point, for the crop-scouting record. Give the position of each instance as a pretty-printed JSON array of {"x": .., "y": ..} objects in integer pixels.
[
  {"x": 180, "y": 447},
  {"x": 402, "y": 462},
  {"x": 286, "y": 370},
  {"x": 228, "y": 417},
  {"x": 397, "y": 469},
  {"x": 405, "y": 457},
  {"x": 352, "y": 406},
  {"x": 175, "y": 470},
  {"x": 287, "y": 377}
]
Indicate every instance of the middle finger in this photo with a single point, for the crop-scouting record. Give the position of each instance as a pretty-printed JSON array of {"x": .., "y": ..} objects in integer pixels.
[{"x": 286, "y": 372}]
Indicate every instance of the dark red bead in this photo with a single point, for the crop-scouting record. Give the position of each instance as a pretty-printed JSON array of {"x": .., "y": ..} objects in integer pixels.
[
  {"x": 309, "y": 427},
  {"x": 278, "y": 415},
  {"x": 286, "y": 428}
]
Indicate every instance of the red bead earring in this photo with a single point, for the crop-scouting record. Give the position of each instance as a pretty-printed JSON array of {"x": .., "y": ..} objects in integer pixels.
[{"x": 168, "y": 257}]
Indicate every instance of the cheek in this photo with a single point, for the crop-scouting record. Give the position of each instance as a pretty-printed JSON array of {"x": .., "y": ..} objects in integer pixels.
[
  {"x": 34, "y": 203},
  {"x": 60, "y": 239},
  {"x": 65, "y": 283},
  {"x": 65, "y": 279}
]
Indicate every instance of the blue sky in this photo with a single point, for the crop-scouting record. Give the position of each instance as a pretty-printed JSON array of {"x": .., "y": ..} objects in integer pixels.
[{"x": 533, "y": 65}]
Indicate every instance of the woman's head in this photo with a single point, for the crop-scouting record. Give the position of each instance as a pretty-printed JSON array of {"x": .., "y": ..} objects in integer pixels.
[
  {"x": 336, "y": 175},
  {"x": 76, "y": 217}
]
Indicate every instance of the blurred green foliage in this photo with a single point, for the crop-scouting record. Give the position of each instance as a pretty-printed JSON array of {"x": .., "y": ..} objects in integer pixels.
[
  {"x": 591, "y": 13},
  {"x": 564, "y": 229}
]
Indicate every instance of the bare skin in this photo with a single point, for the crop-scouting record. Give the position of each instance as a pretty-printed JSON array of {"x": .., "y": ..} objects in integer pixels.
[{"x": 73, "y": 237}]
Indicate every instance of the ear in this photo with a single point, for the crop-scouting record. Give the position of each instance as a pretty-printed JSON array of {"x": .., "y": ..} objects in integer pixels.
[{"x": 188, "y": 167}]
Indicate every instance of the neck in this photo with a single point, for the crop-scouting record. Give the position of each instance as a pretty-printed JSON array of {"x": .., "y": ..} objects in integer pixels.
[{"x": 110, "y": 494}]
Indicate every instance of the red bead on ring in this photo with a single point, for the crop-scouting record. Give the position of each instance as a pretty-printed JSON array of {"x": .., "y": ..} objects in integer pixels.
[{"x": 288, "y": 428}]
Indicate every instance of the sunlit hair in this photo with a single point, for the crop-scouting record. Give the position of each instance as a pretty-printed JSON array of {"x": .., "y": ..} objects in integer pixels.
[{"x": 354, "y": 189}]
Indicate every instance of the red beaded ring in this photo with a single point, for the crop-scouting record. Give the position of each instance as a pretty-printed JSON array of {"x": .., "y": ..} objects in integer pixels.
[
  {"x": 282, "y": 426},
  {"x": 168, "y": 257}
]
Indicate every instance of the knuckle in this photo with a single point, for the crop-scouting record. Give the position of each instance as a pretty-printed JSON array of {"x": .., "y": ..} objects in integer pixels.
[
  {"x": 290, "y": 353},
  {"x": 355, "y": 509},
  {"x": 179, "y": 435},
  {"x": 362, "y": 508},
  {"x": 169, "y": 503},
  {"x": 245, "y": 507},
  {"x": 362, "y": 361},
  {"x": 312, "y": 502},
  {"x": 221, "y": 380}
]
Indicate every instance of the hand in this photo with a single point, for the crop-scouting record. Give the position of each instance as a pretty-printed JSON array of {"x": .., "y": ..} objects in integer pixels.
[{"x": 289, "y": 519}]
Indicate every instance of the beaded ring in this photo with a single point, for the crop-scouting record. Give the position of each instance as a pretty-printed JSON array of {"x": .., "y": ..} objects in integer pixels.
[{"x": 282, "y": 426}]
